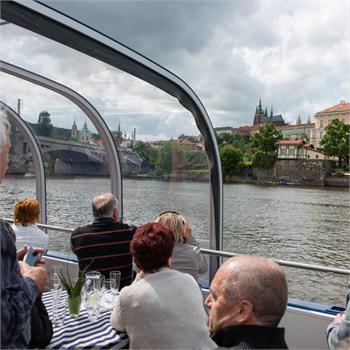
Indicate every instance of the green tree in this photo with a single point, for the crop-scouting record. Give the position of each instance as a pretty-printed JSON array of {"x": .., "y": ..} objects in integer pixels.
[
  {"x": 44, "y": 124},
  {"x": 170, "y": 157},
  {"x": 336, "y": 140},
  {"x": 146, "y": 152},
  {"x": 230, "y": 158},
  {"x": 224, "y": 138},
  {"x": 264, "y": 160},
  {"x": 265, "y": 140}
]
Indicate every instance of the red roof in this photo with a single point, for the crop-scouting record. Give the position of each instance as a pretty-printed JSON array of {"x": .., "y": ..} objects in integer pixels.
[
  {"x": 340, "y": 107},
  {"x": 290, "y": 142}
]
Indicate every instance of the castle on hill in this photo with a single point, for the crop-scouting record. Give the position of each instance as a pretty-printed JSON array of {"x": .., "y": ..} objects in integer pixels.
[{"x": 261, "y": 116}]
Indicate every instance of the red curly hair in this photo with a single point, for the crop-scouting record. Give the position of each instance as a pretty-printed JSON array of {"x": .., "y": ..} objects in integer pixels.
[
  {"x": 26, "y": 212},
  {"x": 152, "y": 246}
]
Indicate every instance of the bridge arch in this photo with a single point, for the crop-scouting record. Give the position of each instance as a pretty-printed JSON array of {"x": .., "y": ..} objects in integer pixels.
[
  {"x": 90, "y": 111},
  {"x": 37, "y": 158}
]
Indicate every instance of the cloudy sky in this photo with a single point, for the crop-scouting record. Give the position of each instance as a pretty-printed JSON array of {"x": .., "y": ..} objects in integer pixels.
[{"x": 293, "y": 55}]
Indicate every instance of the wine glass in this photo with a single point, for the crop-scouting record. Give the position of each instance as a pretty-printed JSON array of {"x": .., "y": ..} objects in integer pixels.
[
  {"x": 55, "y": 277},
  {"x": 115, "y": 276}
]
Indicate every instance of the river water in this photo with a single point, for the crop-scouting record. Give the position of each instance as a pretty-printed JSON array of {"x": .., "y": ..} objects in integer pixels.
[{"x": 308, "y": 225}]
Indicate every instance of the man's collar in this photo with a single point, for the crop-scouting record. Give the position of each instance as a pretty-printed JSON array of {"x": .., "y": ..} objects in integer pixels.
[
  {"x": 107, "y": 219},
  {"x": 256, "y": 336}
]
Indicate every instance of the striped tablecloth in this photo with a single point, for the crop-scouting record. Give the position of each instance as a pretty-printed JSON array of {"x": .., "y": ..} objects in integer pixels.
[{"x": 83, "y": 334}]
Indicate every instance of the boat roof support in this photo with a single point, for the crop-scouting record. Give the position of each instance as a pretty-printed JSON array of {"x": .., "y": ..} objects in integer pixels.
[{"x": 38, "y": 162}]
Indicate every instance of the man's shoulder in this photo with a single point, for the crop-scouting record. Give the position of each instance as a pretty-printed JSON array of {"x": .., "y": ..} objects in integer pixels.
[{"x": 104, "y": 227}]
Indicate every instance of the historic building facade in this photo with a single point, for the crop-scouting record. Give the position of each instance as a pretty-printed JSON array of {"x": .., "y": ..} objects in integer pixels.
[
  {"x": 323, "y": 118},
  {"x": 83, "y": 135}
]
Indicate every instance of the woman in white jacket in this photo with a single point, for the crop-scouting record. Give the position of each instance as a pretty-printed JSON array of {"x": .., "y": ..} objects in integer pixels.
[
  {"x": 163, "y": 308},
  {"x": 186, "y": 255},
  {"x": 26, "y": 216}
]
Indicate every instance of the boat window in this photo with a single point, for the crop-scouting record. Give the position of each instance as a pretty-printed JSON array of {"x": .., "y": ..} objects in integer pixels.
[{"x": 163, "y": 161}]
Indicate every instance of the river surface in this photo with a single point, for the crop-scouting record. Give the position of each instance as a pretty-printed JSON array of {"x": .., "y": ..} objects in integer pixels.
[{"x": 308, "y": 225}]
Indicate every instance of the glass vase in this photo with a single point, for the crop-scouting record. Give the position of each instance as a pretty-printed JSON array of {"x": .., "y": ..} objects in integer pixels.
[{"x": 74, "y": 303}]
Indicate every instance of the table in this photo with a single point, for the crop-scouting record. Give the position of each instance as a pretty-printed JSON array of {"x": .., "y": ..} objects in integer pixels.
[{"x": 81, "y": 333}]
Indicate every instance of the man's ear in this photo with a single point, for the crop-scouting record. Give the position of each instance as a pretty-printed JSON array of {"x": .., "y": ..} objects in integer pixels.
[
  {"x": 115, "y": 214},
  {"x": 245, "y": 312}
]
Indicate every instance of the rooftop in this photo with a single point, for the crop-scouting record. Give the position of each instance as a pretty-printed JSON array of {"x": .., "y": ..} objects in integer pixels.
[
  {"x": 290, "y": 142},
  {"x": 342, "y": 106}
]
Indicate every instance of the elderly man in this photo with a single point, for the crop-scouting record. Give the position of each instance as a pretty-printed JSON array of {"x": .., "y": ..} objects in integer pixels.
[
  {"x": 20, "y": 283},
  {"x": 105, "y": 244},
  {"x": 247, "y": 300}
]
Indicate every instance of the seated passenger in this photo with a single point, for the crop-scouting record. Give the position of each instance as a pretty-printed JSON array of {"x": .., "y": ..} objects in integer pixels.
[
  {"x": 186, "y": 255},
  {"x": 105, "y": 244},
  {"x": 248, "y": 297},
  {"x": 20, "y": 283},
  {"x": 338, "y": 332},
  {"x": 163, "y": 308},
  {"x": 26, "y": 216}
]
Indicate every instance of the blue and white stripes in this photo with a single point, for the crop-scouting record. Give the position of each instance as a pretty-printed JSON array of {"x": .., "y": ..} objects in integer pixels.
[{"x": 83, "y": 334}]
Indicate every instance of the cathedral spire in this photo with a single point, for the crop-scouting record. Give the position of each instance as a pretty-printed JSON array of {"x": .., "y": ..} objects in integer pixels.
[
  {"x": 260, "y": 106},
  {"x": 298, "y": 120},
  {"x": 265, "y": 112},
  {"x": 271, "y": 113}
]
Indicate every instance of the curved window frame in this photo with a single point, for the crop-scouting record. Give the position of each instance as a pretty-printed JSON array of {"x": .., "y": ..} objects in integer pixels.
[
  {"x": 52, "y": 24},
  {"x": 91, "y": 113},
  {"x": 38, "y": 162}
]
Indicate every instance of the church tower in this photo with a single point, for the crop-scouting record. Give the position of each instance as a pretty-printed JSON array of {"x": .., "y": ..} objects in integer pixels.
[
  {"x": 259, "y": 114},
  {"x": 74, "y": 131}
]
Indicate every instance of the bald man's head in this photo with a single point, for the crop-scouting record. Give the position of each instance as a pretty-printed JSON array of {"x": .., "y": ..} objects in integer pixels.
[
  {"x": 105, "y": 206},
  {"x": 260, "y": 280},
  {"x": 247, "y": 290}
]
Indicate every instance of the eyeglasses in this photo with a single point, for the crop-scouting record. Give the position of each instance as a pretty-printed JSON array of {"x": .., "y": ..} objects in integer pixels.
[{"x": 169, "y": 212}]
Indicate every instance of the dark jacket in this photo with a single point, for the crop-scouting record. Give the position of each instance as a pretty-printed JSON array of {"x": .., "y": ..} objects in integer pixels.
[
  {"x": 250, "y": 337},
  {"x": 41, "y": 326},
  {"x": 106, "y": 245}
]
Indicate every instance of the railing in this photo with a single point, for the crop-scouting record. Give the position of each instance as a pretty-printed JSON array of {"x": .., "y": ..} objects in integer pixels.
[{"x": 229, "y": 255}]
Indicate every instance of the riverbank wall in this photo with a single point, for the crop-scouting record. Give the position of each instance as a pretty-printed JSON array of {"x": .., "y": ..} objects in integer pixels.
[{"x": 295, "y": 172}]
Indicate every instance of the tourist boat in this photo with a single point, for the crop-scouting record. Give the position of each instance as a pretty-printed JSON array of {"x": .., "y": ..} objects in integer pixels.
[{"x": 305, "y": 322}]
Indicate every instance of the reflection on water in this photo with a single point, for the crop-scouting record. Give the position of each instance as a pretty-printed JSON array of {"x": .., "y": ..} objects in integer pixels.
[{"x": 308, "y": 225}]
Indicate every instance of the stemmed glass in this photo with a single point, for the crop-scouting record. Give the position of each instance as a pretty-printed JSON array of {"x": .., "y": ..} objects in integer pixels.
[
  {"x": 56, "y": 269},
  {"x": 115, "y": 276}
]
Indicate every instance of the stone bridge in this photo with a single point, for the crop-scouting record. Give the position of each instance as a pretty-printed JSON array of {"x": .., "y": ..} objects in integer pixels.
[{"x": 74, "y": 158}]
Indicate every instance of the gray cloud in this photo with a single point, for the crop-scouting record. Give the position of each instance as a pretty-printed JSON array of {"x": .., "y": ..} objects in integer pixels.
[{"x": 292, "y": 54}]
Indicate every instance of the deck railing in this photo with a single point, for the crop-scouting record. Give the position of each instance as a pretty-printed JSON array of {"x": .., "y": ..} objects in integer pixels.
[{"x": 224, "y": 254}]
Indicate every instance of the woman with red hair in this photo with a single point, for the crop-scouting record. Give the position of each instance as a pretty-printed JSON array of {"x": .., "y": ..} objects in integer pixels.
[
  {"x": 163, "y": 308},
  {"x": 27, "y": 232}
]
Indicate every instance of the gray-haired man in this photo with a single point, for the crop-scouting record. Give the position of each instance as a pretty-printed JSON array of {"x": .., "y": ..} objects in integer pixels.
[
  {"x": 247, "y": 301},
  {"x": 105, "y": 244}
]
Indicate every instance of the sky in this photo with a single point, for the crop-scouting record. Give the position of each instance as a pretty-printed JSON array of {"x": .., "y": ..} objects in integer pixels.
[{"x": 293, "y": 55}]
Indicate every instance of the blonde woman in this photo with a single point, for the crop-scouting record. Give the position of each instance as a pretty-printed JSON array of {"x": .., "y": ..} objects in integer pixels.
[
  {"x": 186, "y": 256},
  {"x": 26, "y": 216}
]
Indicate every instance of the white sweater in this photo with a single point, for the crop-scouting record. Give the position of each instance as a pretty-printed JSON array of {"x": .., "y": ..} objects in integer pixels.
[
  {"x": 30, "y": 235},
  {"x": 164, "y": 310}
]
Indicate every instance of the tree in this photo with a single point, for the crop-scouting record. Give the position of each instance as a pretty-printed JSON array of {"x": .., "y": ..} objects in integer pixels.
[
  {"x": 265, "y": 140},
  {"x": 224, "y": 138},
  {"x": 146, "y": 152},
  {"x": 230, "y": 158},
  {"x": 336, "y": 140},
  {"x": 170, "y": 157},
  {"x": 44, "y": 124}
]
